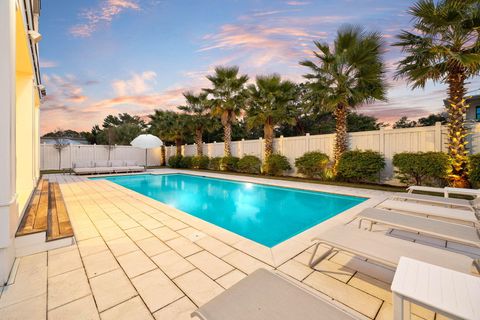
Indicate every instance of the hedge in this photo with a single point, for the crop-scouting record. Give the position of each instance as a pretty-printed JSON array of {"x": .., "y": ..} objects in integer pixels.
[
  {"x": 175, "y": 161},
  {"x": 312, "y": 164},
  {"x": 360, "y": 166},
  {"x": 214, "y": 163},
  {"x": 229, "y": 163},
  {"x": 186, "y": 162},
  {"x": 200, "y": 162},
  {"x": 276, "y": 165},
  {"x": 421, "y": 168},
  {"x": 474, "y": 172},
  {"x": 249, "y": 164}
]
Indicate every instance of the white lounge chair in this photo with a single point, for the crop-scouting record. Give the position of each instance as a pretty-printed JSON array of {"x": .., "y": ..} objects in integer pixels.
[
  {"x": 446, "y": 191},
  {"x": 103, "y": 166},
  {"x": 448, "y": 202},
  {"x": 435, "y": 228},
  {"x": 431, "y": 211},
  {"x": 133, "y": 166},
  {"x": 83, "y": 167},
  {"x": 264, "y": 295},
  {"x": 387, "y": 250}
]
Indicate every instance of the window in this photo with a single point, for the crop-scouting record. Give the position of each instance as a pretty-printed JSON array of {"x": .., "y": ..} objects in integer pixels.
[{"x": 478, "y": 113}]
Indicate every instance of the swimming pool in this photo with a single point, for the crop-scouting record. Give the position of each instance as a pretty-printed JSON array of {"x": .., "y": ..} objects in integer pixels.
[{"x": 265, "y": 214}]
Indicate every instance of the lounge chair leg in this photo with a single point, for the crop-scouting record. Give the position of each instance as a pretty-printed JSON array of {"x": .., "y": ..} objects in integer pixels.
[
  {"x": 476, "y": 264},
  {"x": 401, "y": 308},
  {"x": 313, "y": 262}
]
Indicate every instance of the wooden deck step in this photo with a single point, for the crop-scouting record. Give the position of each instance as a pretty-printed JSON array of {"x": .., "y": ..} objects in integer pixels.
[
  {"x": 35, "y": 218},
  {"x": 59, "y": 222},
  {"x": 47, "y": 213}
]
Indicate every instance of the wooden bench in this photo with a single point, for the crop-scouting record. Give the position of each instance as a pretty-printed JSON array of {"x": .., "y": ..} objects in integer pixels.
[{"x": 46, "y": 212}]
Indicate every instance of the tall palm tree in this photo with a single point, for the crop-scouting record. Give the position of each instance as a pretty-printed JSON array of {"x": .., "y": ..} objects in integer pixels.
[
  {"x": 270, "y": 102},
  {"x": 348, "y": 74},
  {"x": 170, "y": 126},
  {"x": 445, "y": 47},
  {"x": 228, "y": 99},
  {"x": 198, "y": 107}
]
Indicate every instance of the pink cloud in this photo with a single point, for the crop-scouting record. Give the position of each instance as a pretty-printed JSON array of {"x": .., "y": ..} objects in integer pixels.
[
  {"x": 104, "y": 13},
  {"x": 137, "y": 84},
  {"x": 297, "y": 3},
  {"x": 44, "y": 63}
]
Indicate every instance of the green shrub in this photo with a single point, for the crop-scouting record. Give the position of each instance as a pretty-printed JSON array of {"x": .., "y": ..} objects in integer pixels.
[
  {"x": 229, "y": 163},
  {"x": 200, "y": 162},
  {"x": 175, "y": 161},
  {"x": 474, "y": 173},
  {"x": 360, "y": 166},
  {"x": 214, "y": 163},
  {"x": 249, "y": 164},
  {"x": 421, "y": 168},
  {"x": 276, "y": 165},
  {"x": 186, "y": 162},
  {"x": 312, "y": 164}
]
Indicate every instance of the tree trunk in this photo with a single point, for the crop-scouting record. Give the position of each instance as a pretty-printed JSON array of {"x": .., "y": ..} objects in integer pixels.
[
  {"x": 178, "y": 144},
  {"x": 458, "y": 171},
  {"x": 163, "y": 160},
  {"x": 227, "y": 138},
  {"x": 341, "y": 138},
  {"x": 268, "y": 134},
  {"x": 198, "y": 141}
]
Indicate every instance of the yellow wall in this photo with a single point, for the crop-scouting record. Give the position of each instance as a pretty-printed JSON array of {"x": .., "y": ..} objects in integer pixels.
[{"x": 27, "y": 108}]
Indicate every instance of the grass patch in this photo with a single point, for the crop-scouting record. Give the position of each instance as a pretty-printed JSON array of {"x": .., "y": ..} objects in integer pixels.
[{"x": 372, "y": 186}]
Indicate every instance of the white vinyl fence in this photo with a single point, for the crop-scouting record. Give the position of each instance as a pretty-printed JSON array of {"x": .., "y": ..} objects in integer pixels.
[
  {"x": 386, "y": 141},
  {"x": 50, "y": 157}
]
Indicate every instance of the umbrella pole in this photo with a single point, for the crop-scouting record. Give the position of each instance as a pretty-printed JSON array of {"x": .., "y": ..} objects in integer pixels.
[{"x": 146, "y": 158}]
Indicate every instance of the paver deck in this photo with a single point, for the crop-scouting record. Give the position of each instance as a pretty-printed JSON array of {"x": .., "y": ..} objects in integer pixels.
[{"x": 136, "y": 259}]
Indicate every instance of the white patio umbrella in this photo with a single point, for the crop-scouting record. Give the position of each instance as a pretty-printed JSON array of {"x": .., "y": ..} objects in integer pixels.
[{"x": 146, "y": 141}]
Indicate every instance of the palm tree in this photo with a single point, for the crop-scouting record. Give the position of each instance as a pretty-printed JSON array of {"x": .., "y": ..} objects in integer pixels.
[
  {"x": 227, "y": 99},
  {"x": 348, "y": 74},
  {"x": 170, "y": 126},
  {"x": 444, "y": 47},
  {"x": 198, "y": 107},
  {"x": 270, "y": 102}
]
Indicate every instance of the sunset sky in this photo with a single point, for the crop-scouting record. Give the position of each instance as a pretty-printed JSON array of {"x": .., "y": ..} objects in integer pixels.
[{"x": 103, "y": 57}]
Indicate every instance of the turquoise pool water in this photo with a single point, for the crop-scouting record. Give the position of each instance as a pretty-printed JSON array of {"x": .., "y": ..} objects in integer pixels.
[{"x": 267, "y": 215}]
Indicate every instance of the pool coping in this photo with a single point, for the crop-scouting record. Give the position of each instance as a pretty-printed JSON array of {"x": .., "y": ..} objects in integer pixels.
[{"x": 280, "y": 253}]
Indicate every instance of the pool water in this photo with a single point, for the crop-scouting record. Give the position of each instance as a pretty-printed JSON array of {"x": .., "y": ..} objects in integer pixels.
[{"x": 265, "y": 214}]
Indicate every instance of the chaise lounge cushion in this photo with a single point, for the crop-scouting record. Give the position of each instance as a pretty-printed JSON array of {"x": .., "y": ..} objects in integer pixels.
[
  {"x": 82, "y": 164},
  {"x": 102, "y": 164},
  {"x": 264, "y": 295}
]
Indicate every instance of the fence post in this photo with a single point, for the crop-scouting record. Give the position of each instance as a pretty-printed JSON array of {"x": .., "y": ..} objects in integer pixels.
[
  {"x": 281, "y": 145},
  {"x": 381, "y": 143},
  {"x": 94, "y": 152},
  {"x": 242, "y": 148},
  {"x": 307, "y": 142},
  {"x": 438, "y": 136},
  {"x": 42, "y": 165},
  {"x": 261, "y": 148},
  {"x": 71, "y": 155}
]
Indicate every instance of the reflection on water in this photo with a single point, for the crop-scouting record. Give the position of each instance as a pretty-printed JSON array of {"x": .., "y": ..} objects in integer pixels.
[{"x": 267, "y": 215}]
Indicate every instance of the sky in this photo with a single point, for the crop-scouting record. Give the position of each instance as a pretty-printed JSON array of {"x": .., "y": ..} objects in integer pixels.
[{"x": 101, "y": 57}]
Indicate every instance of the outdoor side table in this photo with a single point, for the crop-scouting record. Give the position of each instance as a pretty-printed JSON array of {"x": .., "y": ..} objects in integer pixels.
[{"x": 451, "y": 293}]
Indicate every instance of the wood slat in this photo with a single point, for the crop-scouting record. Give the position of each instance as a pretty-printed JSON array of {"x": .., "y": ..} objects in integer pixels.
[
  {"x": 53, "y": 228},
  {"x": 42, "y": 212},
  {"x": 59, "y": 222},
  {"x": 63, "y": 218},
  {"x": 27, "y": 224}
]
